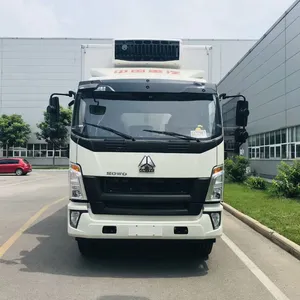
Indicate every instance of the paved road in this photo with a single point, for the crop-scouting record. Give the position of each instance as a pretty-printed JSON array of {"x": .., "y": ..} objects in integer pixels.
[{"x": 43, "y": 262}]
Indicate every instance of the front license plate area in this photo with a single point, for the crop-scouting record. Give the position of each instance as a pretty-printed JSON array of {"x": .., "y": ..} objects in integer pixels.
[{"x": 145, "y": 230}]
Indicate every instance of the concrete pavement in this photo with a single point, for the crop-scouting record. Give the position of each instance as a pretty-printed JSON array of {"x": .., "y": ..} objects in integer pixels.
[{"x": 44, "y": 263}]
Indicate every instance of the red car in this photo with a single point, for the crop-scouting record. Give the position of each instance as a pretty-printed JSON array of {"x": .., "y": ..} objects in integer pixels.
[{"x": 19, "y": 166}]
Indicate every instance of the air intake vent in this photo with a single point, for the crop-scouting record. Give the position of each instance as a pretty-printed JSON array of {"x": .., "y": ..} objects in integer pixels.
[{"x": 147, "y": 50}]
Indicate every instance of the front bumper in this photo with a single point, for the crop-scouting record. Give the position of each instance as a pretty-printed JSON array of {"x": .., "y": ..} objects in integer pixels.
[{"x": 144, "y": 227}]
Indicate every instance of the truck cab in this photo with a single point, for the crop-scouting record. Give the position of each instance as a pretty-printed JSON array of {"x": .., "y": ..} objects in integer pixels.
[{"x": 146, "y": 149}]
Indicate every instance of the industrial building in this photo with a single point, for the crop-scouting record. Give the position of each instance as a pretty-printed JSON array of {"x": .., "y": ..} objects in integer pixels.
[
  {"x": 33, "y": 68},
  {"x": 269, "y": 76}
]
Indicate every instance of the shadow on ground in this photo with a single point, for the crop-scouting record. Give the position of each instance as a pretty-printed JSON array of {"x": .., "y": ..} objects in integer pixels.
[{"x": 57, "y": 253}]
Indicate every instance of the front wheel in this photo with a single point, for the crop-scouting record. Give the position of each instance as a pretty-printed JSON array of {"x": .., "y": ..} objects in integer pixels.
[
  {"x": 19, "y": 172},
  {"x": 85, "y": 247},
  {"x": 203, "y": 248}
]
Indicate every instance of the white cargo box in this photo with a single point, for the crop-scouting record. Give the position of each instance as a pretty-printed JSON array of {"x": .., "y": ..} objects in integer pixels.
[{"x": 190, "y": 57}]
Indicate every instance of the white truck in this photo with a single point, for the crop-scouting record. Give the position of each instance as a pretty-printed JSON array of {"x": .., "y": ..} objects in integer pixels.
[{"x": 146, "y": 146}]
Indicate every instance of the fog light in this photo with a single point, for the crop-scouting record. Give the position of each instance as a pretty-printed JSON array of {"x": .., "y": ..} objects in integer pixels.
[
  {"x": 216, "y": 219},
  {"x": 74, "y": 218}
]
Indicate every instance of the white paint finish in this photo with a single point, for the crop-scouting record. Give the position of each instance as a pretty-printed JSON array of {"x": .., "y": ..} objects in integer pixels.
[
  {"x": 147, "y": 73},
  {"x": 88, "y": 226},
  {"x": 95, "y": 56},
  {"x": 220, "y": 154},
  {"x": 260, "y": 275},
  {"x": 170, "y": 165},
  {"x": 192, "y": 57}
]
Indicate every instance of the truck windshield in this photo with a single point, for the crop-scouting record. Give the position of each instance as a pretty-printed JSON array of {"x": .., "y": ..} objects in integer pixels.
[{"x": 147, "y": 116}]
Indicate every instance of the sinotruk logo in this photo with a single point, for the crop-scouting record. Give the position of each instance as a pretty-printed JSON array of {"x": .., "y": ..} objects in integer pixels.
[{"x": 146, "y": 165}]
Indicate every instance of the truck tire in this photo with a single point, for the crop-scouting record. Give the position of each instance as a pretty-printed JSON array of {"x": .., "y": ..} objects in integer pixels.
[
  {"x": 85, "y": 247},
  {"x": 203, "y": 249}
]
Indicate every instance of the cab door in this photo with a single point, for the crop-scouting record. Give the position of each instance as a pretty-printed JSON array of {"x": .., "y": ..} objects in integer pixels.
[
  {"x": 3, "y": 165},
  {"x": 11, "y": 165}
]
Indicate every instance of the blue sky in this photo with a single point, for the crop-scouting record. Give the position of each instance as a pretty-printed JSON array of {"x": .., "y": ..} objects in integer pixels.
[{"x": 244, "y": 19}]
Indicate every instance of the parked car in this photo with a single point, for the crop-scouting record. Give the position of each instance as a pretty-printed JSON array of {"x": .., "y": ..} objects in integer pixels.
[{"x": 19, "y": 166}]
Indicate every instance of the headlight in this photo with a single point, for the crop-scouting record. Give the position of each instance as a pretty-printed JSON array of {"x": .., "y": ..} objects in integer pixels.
[
  {"x": 77, "y": 191},
  {"x": 215, "y": 190}
]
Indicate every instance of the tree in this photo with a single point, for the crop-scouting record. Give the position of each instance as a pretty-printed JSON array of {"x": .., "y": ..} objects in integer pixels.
[
  {"x": 13, "y": 131},
  {"x": 61, "y": 128}
]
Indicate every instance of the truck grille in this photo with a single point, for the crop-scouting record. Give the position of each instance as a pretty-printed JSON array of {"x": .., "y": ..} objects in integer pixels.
[
  {"x": 147, "y": 50},
  {"x": 146, "y": 196},
  {"x": 147, "y": 186}
]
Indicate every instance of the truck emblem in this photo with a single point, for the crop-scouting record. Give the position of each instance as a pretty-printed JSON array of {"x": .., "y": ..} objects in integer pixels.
[{"x": 146, "y": 165}]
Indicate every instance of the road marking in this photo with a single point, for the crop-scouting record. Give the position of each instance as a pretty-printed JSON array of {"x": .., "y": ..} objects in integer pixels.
[
  {"x": 260, "y": 275},
  {"x": 20, "y": 231},
  {"x": 25, "y": 181}
]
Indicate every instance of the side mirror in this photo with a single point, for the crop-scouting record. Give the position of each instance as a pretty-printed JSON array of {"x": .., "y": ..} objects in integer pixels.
[
  {"x": 242, "y": 113},
  {"x": 53, "y": 110}
]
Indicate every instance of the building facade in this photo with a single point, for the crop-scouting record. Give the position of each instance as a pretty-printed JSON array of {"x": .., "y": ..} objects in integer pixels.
[
  {"x": 269, "y": 76},
  {"x": 33, "y": 68}
]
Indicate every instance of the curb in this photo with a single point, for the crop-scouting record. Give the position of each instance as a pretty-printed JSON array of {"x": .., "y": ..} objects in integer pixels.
[{"x": 270, "y": 234}]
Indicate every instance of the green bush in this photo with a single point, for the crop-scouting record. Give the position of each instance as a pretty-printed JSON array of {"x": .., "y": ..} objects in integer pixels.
[
  {"x": 287, "y": 181},
  {"x": 256, "y": 183},
  {"x": 235, "y": 168}
]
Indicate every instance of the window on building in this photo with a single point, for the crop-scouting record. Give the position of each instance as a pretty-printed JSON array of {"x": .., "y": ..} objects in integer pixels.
[
  {"x": 278, "y": 136},
  {"x": 278, "y": 144},
  {"x": 298, "y": 151},
  {"x": 257, "y": 152},
  {"x": 262, "y": 152},
  {"x": 272, "y": 152},
  {"x": 291, "y": 134},
  {"x": 278, "y": 152},
  {"x": 257, "y": 140},
  {"x": 272, "y": 138},
  {"x": 298, "y": 134},
  {"x": 35, "y": 150},
  {"x": 267, "y": 152},
  {"x": 283, "y": 152},
  {"x": 292, "y": 151},
  {"x": 267, "y": 138},
  {"x": 262, "y": 139},
  {"x": 283, "y": 136}
]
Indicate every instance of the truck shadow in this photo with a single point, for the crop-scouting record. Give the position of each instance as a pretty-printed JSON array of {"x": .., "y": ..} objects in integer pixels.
[{"x": 57, "y": 253}]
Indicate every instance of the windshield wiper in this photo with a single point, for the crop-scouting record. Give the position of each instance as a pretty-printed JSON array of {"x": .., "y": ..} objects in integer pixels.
[
  {"x": 124, "y": 135},
  {"x": 175, "y": 134}
]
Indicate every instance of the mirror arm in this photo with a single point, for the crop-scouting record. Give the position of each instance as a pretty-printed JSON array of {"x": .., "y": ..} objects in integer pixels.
[
  {"x": 71, "y": 103},
  {"x": 70, "y": 94},
  {"x": 224, "y": 96}
]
